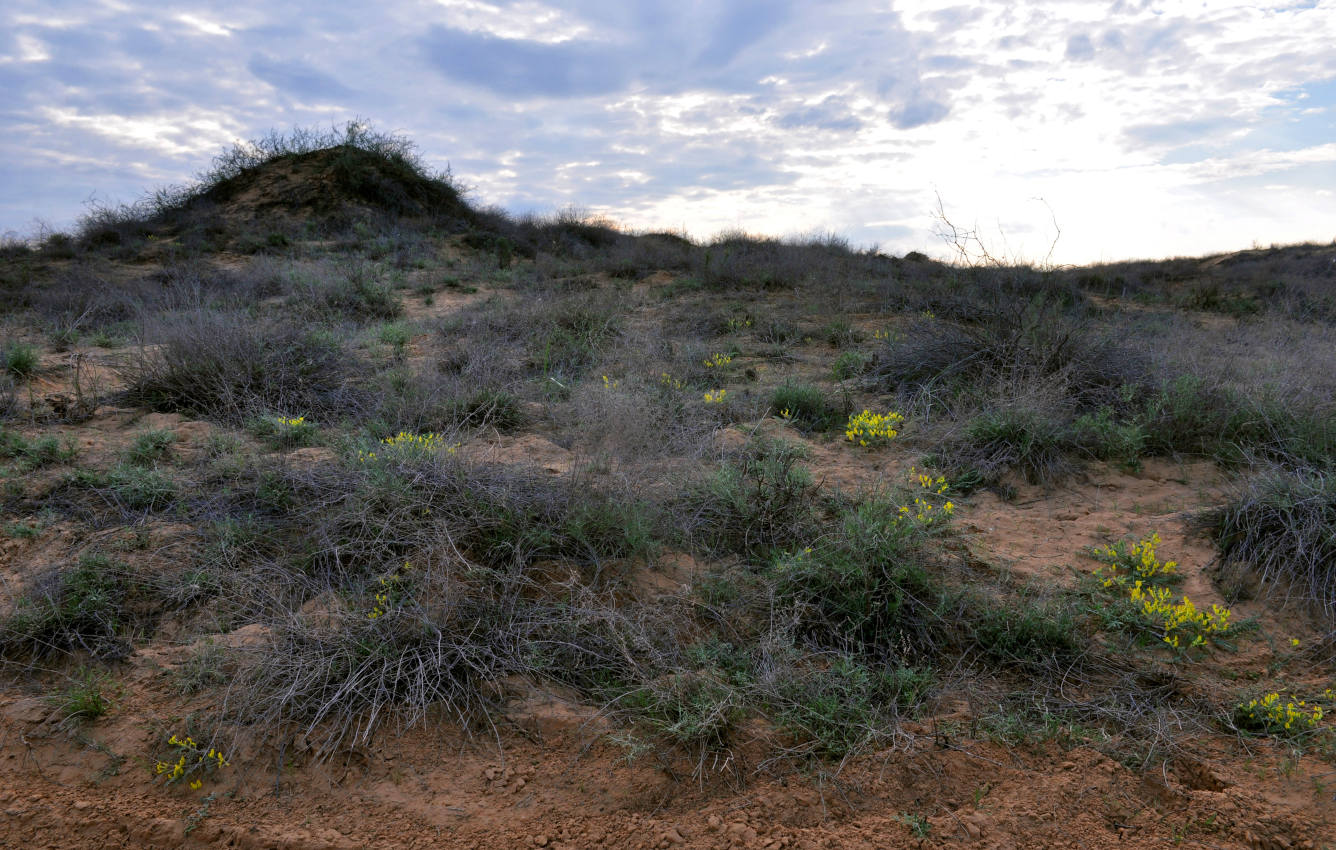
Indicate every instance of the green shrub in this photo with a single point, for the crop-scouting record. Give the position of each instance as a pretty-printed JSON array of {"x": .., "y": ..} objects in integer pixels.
[
  {"x": 34, "y": 454},
  {"x": 865, "y": 588},
  {"x": 996, "y": 442},
  {"x": 850, "y": 364},
  {"x": 84, "y": 608},
  {"x": 19, "y": 359},
  {"x": 839, "y": 333},
  {"x": 150, "y": 447},
  {"x": 487, "y": 408},
  {"x": 759, "y": 499},
  {"x": 805, "y": 404},
  {"x": 133, "y": 488},
  {"x": 849, "y": 704},
  {"x": 571, "y": 338},
  {"x": 1106, "y": 438},
  {"x": 285, "y": 432},
  {"x": 1025, "y": 633},
  {"x": 85, "y": 698},
  {"x": 359, "y": 294},
  {"x": 688, "y": 709}
]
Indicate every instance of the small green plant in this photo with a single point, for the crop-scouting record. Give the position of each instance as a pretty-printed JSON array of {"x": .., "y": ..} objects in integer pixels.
[
  {"x": 23, "y": 530},
  {"x": 202, "y": 669},
  {"x": 839, "y": 333},
  {"x": 850, "y": 364},
  {"x": 150, "y": 447},
  {"x": 395, "y": 335},
  {"x": 917, "y": 823},
  {"x": 19, "y": 359},
  {"x": 36, "y": 453},
  {"x": 106, "y": 339},
  {"x": 82, "y": 608},
  {"x": 870, "y": 429},
  {"x": 134, "y": 488},
  {"x": 85, "y": 698},
  {"x": 849, "y": 704}
]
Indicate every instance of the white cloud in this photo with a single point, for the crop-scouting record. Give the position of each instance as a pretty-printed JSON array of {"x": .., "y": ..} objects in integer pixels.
[{"x": 1147, "y": 128}]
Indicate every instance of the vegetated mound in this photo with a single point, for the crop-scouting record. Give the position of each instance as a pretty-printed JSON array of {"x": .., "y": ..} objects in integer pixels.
[
  {"x": 271, "y": 188},
  {"x": 333, "y": 182}
]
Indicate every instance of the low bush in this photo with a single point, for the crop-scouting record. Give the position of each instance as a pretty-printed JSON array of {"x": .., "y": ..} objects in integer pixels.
[
  {"x": 760, "y": 499},
  {"x": 127, "y": 487},
  {"x": 36, "y": 453},
  {"x": 150, "y": 447},
  {"x": 89, "y": 607},
  {"x": 19, "y": 359},
  {"x": 804, "y": 404},
  {"x": 846, "y": 705},
  {"x": 230, "y": 366},
  {"x": 1277, "y": 532},
  {"x": 1030, "y": 441}
]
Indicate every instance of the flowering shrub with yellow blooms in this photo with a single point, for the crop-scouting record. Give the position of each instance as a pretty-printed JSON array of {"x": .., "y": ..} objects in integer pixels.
[
  {"x": 287, "y": 431},
  {"x": 194, "y": 758},
  {"x": 936, "y": 486},
  {"x": 873, "y": 429},
  {"x": 609, "y": 385},
  {"x": 407, "y": 444},
  {"x": 715, "y": 396},
  {"x": 1137, "y": 562},
  {"x": 1183, "y": 624},
  {"x": 1138, "y": 570},
  {"x": 922, "y": 511},
  {"x": 718, "y": 361},
  {"x": 391, "y": 591},
  {"x": 738, "y": 323},
  {"x": 1274, "y": 715}
]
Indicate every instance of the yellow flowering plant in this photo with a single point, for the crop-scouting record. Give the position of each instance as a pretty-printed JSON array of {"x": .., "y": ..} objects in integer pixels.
[
  {"x": 406, "y": 444},
  {"x": 390, "y": 592},
  {"x": 715, "y": 396},
  {"x": 1272, "y": 714},
  {"x": 1135, "y": 572},
  {"x": 285, "y": 431},
  {"x": 870, "y": 429},
  {"x": 193, "y": 760},
  {"x": 718, "y": 361},
  {"x": 669, "y": 382},
  {"x": 1139, "y": 561}
]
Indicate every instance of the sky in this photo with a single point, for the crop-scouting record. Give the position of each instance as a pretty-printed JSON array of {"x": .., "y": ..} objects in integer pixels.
[{"x": 1059, "y": 131}]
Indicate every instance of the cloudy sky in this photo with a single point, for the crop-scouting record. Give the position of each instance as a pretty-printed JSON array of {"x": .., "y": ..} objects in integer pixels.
[{"x": 1143, "y": 129}]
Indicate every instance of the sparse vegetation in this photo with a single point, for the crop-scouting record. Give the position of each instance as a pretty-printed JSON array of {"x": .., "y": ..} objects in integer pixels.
[{"x": 661, "y": 478}]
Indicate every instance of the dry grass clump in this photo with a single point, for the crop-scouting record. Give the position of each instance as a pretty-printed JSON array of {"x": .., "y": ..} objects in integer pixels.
[
  {"x": 1277, "y": 533},
  {"x": 228, "y": 365}
]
